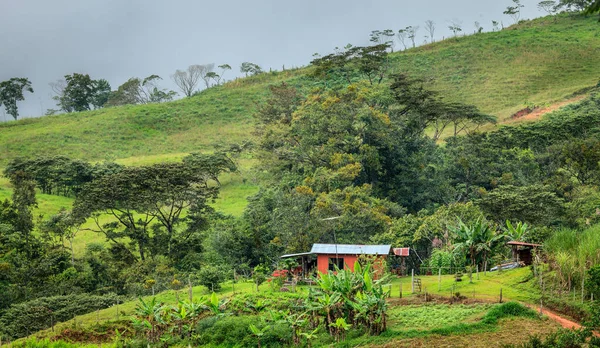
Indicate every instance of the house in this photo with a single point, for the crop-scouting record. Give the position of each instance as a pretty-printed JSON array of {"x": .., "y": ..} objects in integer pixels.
[
  {"x": 522, "y": 252},
  {"x": 328, "y": 256}
]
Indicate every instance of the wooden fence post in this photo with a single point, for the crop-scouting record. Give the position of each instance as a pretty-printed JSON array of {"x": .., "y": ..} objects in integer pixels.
[
  {"x": 440, "y": 279},
  {"x": 400, "y": 290},
  {"x": 500, "y": 295},
  {"x": 412, "y": 281}
]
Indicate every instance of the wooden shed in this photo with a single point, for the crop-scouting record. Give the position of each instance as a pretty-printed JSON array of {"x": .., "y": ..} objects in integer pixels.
[{"x": 522, "y": 252}]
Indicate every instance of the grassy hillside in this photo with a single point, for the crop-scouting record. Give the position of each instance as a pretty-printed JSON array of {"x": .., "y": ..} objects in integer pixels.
[
  {"x": 539, "y": 62},
  {"x": 536, "y": 62}
]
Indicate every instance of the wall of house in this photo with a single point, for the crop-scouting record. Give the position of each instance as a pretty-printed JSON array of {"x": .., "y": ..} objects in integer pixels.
[
  {"x": 349, "y": 260},
  {"x": 323, "y": 261}
]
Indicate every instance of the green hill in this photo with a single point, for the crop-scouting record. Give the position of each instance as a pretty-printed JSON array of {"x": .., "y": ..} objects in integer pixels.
[{"x": 538, "y": 62}]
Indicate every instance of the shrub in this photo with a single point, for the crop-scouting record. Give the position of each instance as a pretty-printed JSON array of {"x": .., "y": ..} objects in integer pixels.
[
  {"x": 211, "y": 277},
  {"x": 235, "y": 331},
  {"x": 509, "y": 309},
  {"x": 25, "y": 318}
]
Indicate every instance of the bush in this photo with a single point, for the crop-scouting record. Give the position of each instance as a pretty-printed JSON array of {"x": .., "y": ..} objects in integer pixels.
[
  {"x": 211, "y": 277},
  {"x": 506, "y": 310},
  {"x": 25, "y": 318},
  {"x": 235, "y": 331}
]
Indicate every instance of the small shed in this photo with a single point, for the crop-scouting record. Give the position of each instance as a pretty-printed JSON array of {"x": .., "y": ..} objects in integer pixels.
[
  {"x": 521, "y": 251},
  {"x": 399, "y": 262}
]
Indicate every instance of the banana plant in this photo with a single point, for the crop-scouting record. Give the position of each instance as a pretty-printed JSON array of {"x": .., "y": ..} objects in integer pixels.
[
  {"x": 310, "y": 336},
  {"x": 258, "y": 333}
]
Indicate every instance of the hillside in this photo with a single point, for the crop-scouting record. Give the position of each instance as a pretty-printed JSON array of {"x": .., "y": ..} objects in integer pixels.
[{"x": 538, "y": 62}]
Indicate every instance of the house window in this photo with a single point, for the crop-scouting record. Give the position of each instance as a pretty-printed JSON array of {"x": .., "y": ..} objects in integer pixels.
[{"x": 333, "y": 262}]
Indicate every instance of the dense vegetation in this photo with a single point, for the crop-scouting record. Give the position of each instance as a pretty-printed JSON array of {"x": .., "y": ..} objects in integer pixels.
[{"x": 348, "y": 138}]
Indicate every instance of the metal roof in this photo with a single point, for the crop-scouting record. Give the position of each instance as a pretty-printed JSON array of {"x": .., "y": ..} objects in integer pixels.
[
  {"x": 350, "y": 249},
  {"x": 401, "y": 251},
  {"x": 295, "y": 255}
]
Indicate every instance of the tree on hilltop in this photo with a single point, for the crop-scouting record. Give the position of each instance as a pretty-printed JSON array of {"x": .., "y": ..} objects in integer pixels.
[
  {"x": 11, "y": 91},
  {"x": 514, "y": 11},
  {"x": 250, "y": 68},
  {"x": 79, "y": 92},
  {"x": 187, "y": 80}
]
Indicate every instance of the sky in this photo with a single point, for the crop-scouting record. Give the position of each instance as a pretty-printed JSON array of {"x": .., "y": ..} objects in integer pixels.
[{"x": 118, "y": 39}]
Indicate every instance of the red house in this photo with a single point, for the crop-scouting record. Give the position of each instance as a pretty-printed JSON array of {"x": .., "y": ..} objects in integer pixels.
[{"x": 341, "y": 255}]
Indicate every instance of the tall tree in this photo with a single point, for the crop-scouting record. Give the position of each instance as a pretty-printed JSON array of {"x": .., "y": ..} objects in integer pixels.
[
  {"x": 515, "y": 10},
  {"x": 11, "y": 91},
  {"x": 207, "y": 73},
  {"x": 548, "y": 6},
  {"x": 187, "y": 80},
  {"x": 402, "y": 37},
  {"x": 411, "y": 33},
  {"x": 430, "y": 27},
  {"x": 24, "y": 201},
  {"x": 137, "y": 91},
  {"x": 250, "y": 68},
  {"x": 79, "y": 92}
]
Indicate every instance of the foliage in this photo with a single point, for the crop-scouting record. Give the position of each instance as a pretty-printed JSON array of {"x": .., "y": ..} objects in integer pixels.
[
  {"x": 475, "y": 241},
  {"x": 79, "y": 92},
  {"x": 138, "y": 91},
  {"x": 11, "y": 91},
  {"x": 25, "y": 318},
  {"x": 352, "y": 298},
  {"x": 211, "y": 277}
]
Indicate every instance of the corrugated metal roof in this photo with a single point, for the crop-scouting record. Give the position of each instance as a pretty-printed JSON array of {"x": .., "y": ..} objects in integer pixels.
[
  {"x": 351, "y": 249},
  {"x": 401, "y": 251},
  {"x": 295, "y": 255}
]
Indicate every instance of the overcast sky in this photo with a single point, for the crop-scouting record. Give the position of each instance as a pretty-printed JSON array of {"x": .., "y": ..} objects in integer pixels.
[{"x": 44, "y": 40}]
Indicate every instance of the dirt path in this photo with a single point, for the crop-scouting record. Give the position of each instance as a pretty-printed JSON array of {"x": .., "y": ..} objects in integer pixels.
[
  {"x": 564, "y": 322},
  {"x": 539, "y": 112}
]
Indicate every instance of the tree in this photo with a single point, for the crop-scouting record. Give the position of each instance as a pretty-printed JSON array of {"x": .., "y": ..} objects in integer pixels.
[
  {"x": 430, "y": 27},
  {"x": 250, "y": 68},
  {"x": 24, "y": 201},
  {"x": 514, "y": 11},
  {"x": 478, "y": 28},
  {"x": 152, "y": 198},
  {"x": 101, "y": 93},
  {"x": 224, "y": 68},
  {"x": 593, "y": 7},
  {"x": 589, "y": 6},
  {"x": 187, "y": 80},
  {"x": 402, "y": 37},
  {"x": 383, "y": 37},
  {"x": 136, "y": 91},
  {"x": 495, "y": 25},
  {"x": 455, "y": 27},
  {"x": 207, "y": 73},
  {"x": 548, "y": 6},
  {"x": 11, "y": 91},
  {"x": 78, "y": 92},
  {"x": 534, "y": 204},
  {"x": 411, "y": 33},
  {"x": 581, "y": 159},
  {"x": 65, "y": 224}
]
